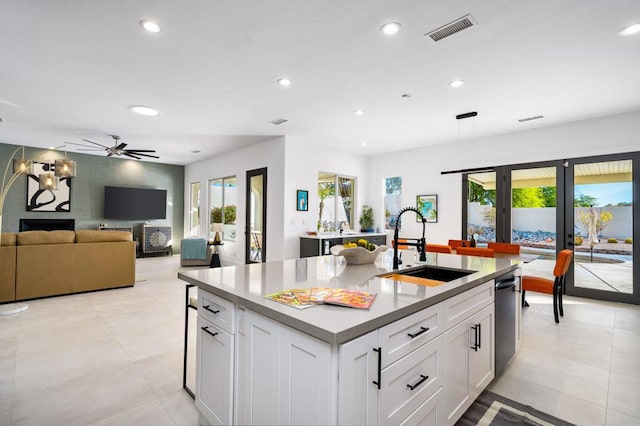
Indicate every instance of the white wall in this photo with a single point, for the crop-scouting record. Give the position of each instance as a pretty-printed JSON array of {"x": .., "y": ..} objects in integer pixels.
[
  {"x": 303, "y": 160},
  {"x": 269, "y": 154},
  {"x": 420, "y": 168}
]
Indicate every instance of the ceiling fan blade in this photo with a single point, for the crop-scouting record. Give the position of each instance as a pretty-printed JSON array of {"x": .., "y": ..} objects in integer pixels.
[
  {"x": 79, "y": 144},
  {"x": 89, "y": 149},
  {"x": 95, "y": 143},
  {"x": 131, "y": 155},
  {"x": 141, "y": 150},
  {"x": 138, "y": 153},
  {"x": 120, "y": 146}
]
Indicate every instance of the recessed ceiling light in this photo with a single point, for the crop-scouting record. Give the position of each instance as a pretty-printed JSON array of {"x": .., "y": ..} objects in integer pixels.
[
  {"x": 456, "y": 83},
  {"x": 284, "y": 81},
  {"x": 150, "y": 26},
  {"x": 390, "y": 28},
  {"x": 630, "y": 29},
  {"x": 358, "y": 112},
  {"x": 144, "y": 110},
  {"x": 52, "y": 147},
  {"x": 363, "y": 144}
]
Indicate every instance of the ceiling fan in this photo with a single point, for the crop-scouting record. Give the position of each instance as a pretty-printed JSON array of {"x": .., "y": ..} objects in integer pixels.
[{"x": 116, "y": 149}]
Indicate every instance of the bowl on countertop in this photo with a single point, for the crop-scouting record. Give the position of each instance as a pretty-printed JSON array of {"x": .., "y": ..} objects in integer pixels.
[{"x": 357, "y": 255}]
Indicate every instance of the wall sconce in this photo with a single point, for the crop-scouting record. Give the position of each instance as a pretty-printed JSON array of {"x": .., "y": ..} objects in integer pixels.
[{"x": 217, "y": 228}]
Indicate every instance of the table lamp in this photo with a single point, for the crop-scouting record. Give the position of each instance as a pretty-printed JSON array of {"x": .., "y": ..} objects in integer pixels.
[{"x": 217, "y": 228}]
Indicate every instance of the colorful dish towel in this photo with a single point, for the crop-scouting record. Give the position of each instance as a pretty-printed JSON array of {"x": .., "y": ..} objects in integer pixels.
[{"x": 194, "y": 248}]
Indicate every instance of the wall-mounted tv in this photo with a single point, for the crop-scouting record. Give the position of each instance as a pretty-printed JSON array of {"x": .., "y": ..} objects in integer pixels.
[{"x": 134, "y": 203}]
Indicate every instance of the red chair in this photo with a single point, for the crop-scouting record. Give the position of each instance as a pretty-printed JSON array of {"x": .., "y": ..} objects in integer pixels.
[
  {"x": 438, "y": 248},
  {"x": 454, "y": 244},
  {"x": 474, "y": 251},
  {"x": 506, "y": 248},
  {"x": 555, "y": 287}
]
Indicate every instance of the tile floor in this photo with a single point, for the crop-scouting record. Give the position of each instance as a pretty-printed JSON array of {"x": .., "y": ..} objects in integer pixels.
[{"x": 115, "y": 357}]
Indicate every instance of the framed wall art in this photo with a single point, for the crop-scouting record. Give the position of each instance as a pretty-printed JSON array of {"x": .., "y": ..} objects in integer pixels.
[
  {"x": 302, "y": 202},
  {"x": 47, "y": 200},
  {"x": 428, "y": 206}
]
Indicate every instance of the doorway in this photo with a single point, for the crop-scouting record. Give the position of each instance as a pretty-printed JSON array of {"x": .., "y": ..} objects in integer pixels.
[
  {"x": 256, "y": 216},
  {"x": 584, "y": 204}
]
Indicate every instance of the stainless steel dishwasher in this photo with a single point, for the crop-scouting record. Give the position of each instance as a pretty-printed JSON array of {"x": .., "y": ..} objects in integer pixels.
[{"x": 505, "y": 320}]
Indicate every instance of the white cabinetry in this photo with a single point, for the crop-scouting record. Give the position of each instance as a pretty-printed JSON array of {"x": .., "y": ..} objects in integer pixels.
[
  {"x": 284, "y": 375},
  {"x": 469, "y": 357},
  {"x": 393, "y": 375}
]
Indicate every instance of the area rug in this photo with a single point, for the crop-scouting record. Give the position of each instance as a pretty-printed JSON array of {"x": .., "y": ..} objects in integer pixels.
[{"x": 495, "y": 410}]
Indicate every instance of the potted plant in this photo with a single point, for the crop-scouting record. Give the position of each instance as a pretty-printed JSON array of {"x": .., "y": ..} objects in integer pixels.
[{"x": 366, "y": 219}]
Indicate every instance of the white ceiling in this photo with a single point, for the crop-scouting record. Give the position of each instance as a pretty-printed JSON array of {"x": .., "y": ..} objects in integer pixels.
[{"x": 70, "y": 69}]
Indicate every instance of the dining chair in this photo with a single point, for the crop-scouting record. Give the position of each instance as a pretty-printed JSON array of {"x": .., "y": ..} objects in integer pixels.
[
  {"x": 506, "y": 248},
  {"x": 438, "y": 248},
  {"x": 454, "y": 244},
  {"x": 475, "y": 251},
  {"x": 545, "y": 285}
]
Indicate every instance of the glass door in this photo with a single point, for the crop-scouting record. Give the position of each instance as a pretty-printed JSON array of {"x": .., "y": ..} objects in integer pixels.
[
  {"x": 601, "y": 216},
  {"x": 256, "y": 219},
  {"x": 480, "y": 219}
]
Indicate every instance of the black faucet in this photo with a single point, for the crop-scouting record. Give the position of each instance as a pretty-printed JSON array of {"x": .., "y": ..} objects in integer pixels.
[{"x": 419, "y": 242}]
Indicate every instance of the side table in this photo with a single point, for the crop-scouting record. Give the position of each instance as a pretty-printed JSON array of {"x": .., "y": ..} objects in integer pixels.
[{"x": 215, "y": 256}]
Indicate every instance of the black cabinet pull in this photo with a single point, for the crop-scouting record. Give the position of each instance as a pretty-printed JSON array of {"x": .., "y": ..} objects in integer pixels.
[
  {"x": 206, "y": 330},
  {"x": 475, "y": 338},
  {"x": 479, "y": 336},
  {"x": 211, "y": 310},
  {"x": 417, "y": 333},
  {"x": 419, "y": 382},
  {"x": 377, "y": 382}
]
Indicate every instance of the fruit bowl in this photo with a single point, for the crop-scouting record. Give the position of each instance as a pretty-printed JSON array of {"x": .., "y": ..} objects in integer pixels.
[{"x": 357, "y": 255}]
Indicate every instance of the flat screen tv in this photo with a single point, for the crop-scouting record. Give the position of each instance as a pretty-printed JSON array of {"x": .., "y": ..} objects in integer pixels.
[{"x": 134, "y": 203}]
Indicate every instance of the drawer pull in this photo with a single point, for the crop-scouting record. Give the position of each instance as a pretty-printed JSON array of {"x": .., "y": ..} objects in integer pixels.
[
  {"x": 417, "y": 333},
  {"x": 206, "y": 330},
  {"x": 211, "y": 310},
  {"x": 477, "y": 337},
  {"x": 377, "y": 383},
  {"x": 419, "y": 382}
]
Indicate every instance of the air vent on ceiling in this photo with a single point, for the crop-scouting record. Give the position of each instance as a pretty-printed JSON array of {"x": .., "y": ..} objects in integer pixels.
[
  {"x": 536, "y": 117},
  {"x": 278, "y": 121},
  {"x": 451, "y": 28}
]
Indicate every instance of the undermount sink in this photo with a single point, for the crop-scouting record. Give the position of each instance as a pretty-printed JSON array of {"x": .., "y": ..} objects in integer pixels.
[{"x": 429, "y": 275}]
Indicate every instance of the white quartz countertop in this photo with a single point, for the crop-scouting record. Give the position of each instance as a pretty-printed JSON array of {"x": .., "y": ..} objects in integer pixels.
[
  {"x": 345, "y": 234},
  {"x": 246, "y": 285}
]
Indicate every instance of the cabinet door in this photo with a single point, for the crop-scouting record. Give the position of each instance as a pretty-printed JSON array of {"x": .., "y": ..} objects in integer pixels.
[
  {"x": 482, "y": 362},
  {"x": 214, "y": 381},
  {"x": 258, "y": 369},
  {"x": 357, "y": 394},
  {"x": 305, "y": 379},
  {"x": 457, "y": 396}
]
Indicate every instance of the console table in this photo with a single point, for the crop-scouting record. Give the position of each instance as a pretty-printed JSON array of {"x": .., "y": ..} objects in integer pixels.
[{"x": 155, "y": 239}]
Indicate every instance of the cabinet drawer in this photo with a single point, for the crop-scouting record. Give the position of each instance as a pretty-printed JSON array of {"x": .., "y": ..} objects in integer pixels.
[
  {"x": 396, "y": 338},
  {"x": 217, "y": 310},
  {"x": 468, "y": 303},
  {"x": 408, "y": 383},
  {"x": 428, "y": 414}
]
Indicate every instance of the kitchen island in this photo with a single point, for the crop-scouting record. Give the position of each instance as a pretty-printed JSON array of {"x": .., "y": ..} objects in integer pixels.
[{"x": 420, "y": 352}]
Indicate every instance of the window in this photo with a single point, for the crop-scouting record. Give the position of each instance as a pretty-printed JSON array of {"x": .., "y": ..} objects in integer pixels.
[
  {"x": 392, "y": 200},
  {"x": 222, "y": 199},
  {"x": 337, "y": 198},
  {"x": 194, "y": 210}
]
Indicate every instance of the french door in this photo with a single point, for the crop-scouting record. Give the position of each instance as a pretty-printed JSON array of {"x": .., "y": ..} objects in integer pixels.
[{"x": 583, "y": 204}]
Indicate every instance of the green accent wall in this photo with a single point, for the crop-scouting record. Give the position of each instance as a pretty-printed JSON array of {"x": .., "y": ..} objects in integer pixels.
[{"x": 87, "y": 190}]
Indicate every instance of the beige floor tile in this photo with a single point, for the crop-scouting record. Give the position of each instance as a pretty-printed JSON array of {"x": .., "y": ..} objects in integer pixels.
[
  {"x": 624, "y": 394},
  {"x": 163, "y": 372},
  {"x": 618, "y": 419},
  {"x": 181, "y": 408},
  {"x": 83, "y": 400},
  {"x": 549, "y": 400},
  {"x": 627, "y": 317},
  {"x": 149, "y": 414}
]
